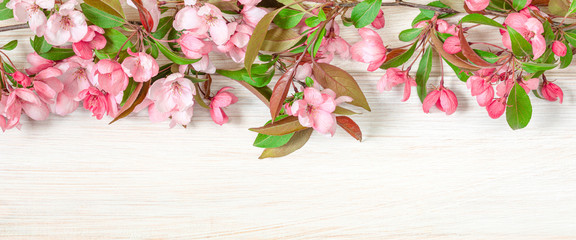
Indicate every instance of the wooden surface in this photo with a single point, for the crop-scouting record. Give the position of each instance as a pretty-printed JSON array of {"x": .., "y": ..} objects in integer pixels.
[{"x": 416, "y": 176}]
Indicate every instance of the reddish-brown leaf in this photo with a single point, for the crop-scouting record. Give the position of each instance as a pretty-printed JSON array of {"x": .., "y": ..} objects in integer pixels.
[
  {"x": 341, "y": 82},
  {"x": 350, "y": 126},
  {"x": 438, "y": 46},
  {"x": 145, "y": 16},
  {"x": 135, "y": 98},
  {"x": 394, "y": 53},
  {"x": 279, "y": 128},
  {"x": 296, "y": 142},
  {"x": 469, "y": 52},
  {"x": 279, "y": 94}
]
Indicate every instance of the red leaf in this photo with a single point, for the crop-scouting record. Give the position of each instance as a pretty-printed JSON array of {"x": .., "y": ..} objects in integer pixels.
[
  {"x": 350, "y": 126},
  {"x": 279, "y": 93},
  {"x": 145, "y": 16}
]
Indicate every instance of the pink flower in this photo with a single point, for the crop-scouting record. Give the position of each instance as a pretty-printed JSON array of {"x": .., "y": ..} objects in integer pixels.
[
  {"x": 559, "y": 49},
  {"x": 251, "y": 14},
  {"x": 193, "y": 46},
  {"x": 552, "y": 92},
  {"x": 141, "y": 66},
  {"x": 47, "y": 85},
  {"x": 222, "y": 99},
  {"x": 31, "y": 11},
  {"x": 444, "y": 27},
  {"x": 98, "y": 102},
  {"x": 93, "y": 40},
  {"x": 28, "y": 101},
  {"x": 496, "y": 108},
  {"x": 173, "y": 93},
  {"x": 68, "y": 25},
  {"x": 379, "y": 22},
  {"x": 250, "y": 2},
  {"x": 393, "y": 77},
  {"x": 9, "y": 117},
  {"x": 477, "y": 5},
  {"x": 370, "y": 50},
  {"x": 172, "y": 96},
  {"x": 316, "y": 109},
  {"x": 207, "y": 18},
  {"x": 22, "y": 79},
  {"x": 443, "y": 98},
  {"x": 38, "y": 63},
  {"x": 76, "y": 76},
  {"x": 152, "y": 7},
  {"x": 530, "y": 28},
  {"x": 236, "y": 46},
  {"x": 452, "y": 45},
  {"x": 481, "y": 87},
  {"x": 530, "y": 84},
  {"x": 334, "y": 44},
  {"x": 110, "y": 76}
]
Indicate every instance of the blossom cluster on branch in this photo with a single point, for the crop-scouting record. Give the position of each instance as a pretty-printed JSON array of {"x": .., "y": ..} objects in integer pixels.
[{"x": 88, "y": 54}]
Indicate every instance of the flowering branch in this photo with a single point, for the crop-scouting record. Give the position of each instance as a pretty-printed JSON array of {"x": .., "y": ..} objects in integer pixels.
[{"x": 109, "y": 67}]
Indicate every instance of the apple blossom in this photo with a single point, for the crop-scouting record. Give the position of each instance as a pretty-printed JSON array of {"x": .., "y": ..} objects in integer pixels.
[
  {"x": 443, "y": 98},
  {"x": 222, "y": 99},
  {"x": 370, "y": 50}
]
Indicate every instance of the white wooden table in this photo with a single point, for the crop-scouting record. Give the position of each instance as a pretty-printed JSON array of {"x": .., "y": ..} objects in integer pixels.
[{"x": 415, "y": 176}]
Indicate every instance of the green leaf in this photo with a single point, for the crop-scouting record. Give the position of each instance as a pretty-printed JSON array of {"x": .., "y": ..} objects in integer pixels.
[
  {"x": 101, "y": 18},
  {"x": 409, "y": 34},
  {"x": 288, "y": 18},
  {"x": 480, "y": 19},
  {"x": 572, "y": 8},
  {"x": 113, "y": 7},
  {"x": 419, "y": 18},
  {"x": 57, "y": 54},
  {"x": 487, "y": 56},
  {"x": 271, "y": 141},
  {"x": 571, "y": 38},
  {"x": 10, "y": 45},
  {"x": 519, "y": 4},
  {"x": 164, "y": 26},
  {"x": 548, "y": 33},
  {"x": 567, "y": 59},
  {"x": 296, "y": 142},
  {"x": 400, "y": 59},
  {"x": 173, "y": 56},
  {"x": 314, "y": 47},
  {"x": 520, "y": 46},
  {"x": 129, "y": 90},
  {"x": 519, "y": 109},
  {"x": 114, "y": 41},
  {"x": 40, "y": 45},
  {"x": 282, "y": 127},
  {"x": 423, "y": 73},
  {"x": 537, "y": 67},
  {"x": 5, "y": 12},
  {"x": 365, "y": 12},
  {"x": 261, "y": 76},
  {"x": 312, "y": 22}
]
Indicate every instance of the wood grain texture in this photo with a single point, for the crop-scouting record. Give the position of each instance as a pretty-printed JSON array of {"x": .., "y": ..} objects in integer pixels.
[{"x": 415, "y": 176}]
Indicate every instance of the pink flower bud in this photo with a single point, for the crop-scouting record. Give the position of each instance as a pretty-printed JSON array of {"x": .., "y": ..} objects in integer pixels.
[
  {"x": 559, "y": 48},
  {"x": 496, "y": 108},
  {"x": 443, "y": 98},
  {"x": 22, "y": 79},
  {"x": 452, "y": 45},
  {"x": 477, "y": 5},
  {"x": 379, "y": 22},
  {"x": 552, "y": 92},
  {"x": 222, "y": 99}
]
